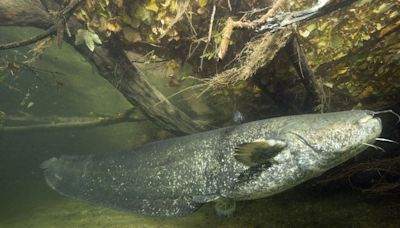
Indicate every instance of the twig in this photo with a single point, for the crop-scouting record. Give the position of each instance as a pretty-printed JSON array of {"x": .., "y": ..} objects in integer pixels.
[
  {"x": 34, "y": 69},
  {"x": 229, "y": 5},
  {"x": 63, "y": 123},
  {"x": 253, "y": 11},
  {"x": 389, "y": 166},
  {"x": 203, "y": 54},
  {"x": 231, "y": 25},
  {"x": 181, "y": 10},
  {"x": 273, "y": 21},
  {"x": 262, "y": 51},
  {"x": 211, "y": 23},
  {"x": 62, "y": 18},
  {"x": 192, "y": 29},
  {"x": 304, "y": 71},
  {"x": 32, "y": 40},
  {"x": 181, "y": 91},
  {"x": 259, "y": 53},
  {"x": 210, "y": 28}
]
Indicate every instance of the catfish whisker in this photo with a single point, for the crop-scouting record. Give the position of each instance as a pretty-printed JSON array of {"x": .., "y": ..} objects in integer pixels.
[
  {"x": 374, "y": 146},
  {"x": 386, "y": 140},
  {"x": 389, "y": 111},
  {"x": 303, "y": 140}
]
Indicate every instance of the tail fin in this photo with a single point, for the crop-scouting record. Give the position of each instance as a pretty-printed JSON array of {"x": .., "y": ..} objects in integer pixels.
[
  {"x": 48, "y": 163},
  {"x": 65, "y": 174},
  {"x": 103, "y": 182}
]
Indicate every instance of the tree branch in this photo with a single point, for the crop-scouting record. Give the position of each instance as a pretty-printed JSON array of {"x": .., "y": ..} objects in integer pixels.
[
  {"x": 62, "y": 123},
  {"x": 32, "y": 40},
  {"x": 24, "y": 13},
  {"x": 273, "y": 21},
  {"x": 113, "y": 65},
  {"x": 62, "y": 17},
  {"x": 231, "y": 25},
  {"x": 313, "y": 101}
]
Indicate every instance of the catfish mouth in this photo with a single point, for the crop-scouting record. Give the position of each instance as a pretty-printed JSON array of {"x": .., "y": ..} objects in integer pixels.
[
  {"x": 362, "y": 134},
  {"x": 369, "y": 129},
  {"x": 371, "y": 141},
  {"x": 371, "y": 126}
]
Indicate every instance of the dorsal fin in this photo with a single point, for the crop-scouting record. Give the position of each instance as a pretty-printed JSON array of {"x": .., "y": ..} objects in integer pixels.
[{"x": 259, "y": 151}]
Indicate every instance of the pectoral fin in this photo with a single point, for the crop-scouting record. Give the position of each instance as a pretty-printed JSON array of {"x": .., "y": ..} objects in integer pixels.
[
  {"x": 258, "y": 152},
  {"x": 205, "y": 198}
]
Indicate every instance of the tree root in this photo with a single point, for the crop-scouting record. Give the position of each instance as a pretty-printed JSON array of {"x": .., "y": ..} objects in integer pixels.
[
  {"x": 231, "y": 25},
  {"x": 316, "y": 99},
  {"x": 384, "y": 167},
  {"x": 181, "y": 10},
  {"x": 260, "y": 53}
]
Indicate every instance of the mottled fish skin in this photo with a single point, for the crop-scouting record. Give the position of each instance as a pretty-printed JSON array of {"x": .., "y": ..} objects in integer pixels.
[{"x": 175, "y": 177}]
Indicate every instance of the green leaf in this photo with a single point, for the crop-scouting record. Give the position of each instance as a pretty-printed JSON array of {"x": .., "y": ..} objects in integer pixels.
[
  {"x": 144, "y": 15},
  {"x": 203, "y": 3},
  {"x": 90, "y": 38},
  {"x": 152, "y": 6}
]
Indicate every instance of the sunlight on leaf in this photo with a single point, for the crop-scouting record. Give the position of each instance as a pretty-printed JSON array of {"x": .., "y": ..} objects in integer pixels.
[
  {"x": 152, "y": 6},
  {"x": 113, "y": 25},
  {"x": 203, "y": 3},
  {"x": 87, "y": 37}
]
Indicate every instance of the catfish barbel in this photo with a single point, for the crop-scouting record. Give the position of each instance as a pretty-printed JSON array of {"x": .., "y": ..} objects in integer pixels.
[{"x": 175, "y": 177}]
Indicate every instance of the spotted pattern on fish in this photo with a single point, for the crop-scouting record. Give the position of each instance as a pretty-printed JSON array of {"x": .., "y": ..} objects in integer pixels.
[{"x": 175, "y": 177}]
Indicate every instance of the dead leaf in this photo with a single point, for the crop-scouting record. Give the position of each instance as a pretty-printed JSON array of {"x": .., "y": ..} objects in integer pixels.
[
  {"x": 90, "y": 5},
  {"x": 131, "y": 35},
  {"x": 113, "y": 25}
]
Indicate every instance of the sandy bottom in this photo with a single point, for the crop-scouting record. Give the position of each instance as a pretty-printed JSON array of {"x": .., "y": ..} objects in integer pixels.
[{"x": 33, "y": 204}]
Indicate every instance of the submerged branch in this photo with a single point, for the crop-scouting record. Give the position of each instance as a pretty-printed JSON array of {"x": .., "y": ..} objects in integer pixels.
[
  {"x": 231, "y": 25},
  {"x": 181, "y": 9},
  {"x": 274, "y": 21},
  {"x": 60, "y": 21},
  {"x": 63, "y": 123},
  {"x": 383, "y": 167},
  {"x": 314, "y": 99},
  {"x": 29, "y": 41},
  {"x": 262, "y": 51},
  {"x": 109, "y": 58}
]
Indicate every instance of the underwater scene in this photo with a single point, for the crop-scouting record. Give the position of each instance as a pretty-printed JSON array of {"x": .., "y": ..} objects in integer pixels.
[{"x": 199, "y": 113}]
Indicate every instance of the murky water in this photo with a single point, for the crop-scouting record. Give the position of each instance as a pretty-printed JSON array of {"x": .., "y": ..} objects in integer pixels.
[{"x": 75, "y": 89}]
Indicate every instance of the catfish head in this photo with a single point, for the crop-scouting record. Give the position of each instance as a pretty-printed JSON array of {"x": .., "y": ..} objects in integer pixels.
[
  {"x": 302, "y": 147},
  {"x": 320, "y": 142}
]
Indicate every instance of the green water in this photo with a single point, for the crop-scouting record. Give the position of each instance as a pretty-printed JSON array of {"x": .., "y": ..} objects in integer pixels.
[
  {"x": 26, "y": 201},
  {"x": 30, "y": 203}
]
